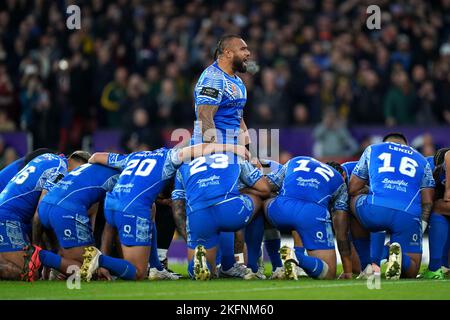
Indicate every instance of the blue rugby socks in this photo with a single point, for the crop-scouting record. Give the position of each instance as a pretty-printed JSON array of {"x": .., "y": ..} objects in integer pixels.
[
  {"x": 273, "y": 248},
  {"x": 50, "y": 259},
  {"x": 406, "y": 262},
  {"x": 438, "y": 233},
  {"x": 313, "y": 266},
  {"x": 254, "y": 233},
  {"x": 377, "y": 248},
  {"x": 362, "y": 247},
  {"x": 226, "y": 245},
  {"x": 118, "y": 267},
  {"x": 154, "y": 258}
]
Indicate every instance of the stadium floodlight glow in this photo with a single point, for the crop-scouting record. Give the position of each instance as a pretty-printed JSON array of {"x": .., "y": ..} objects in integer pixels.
[{"x": 63, "y": 65}]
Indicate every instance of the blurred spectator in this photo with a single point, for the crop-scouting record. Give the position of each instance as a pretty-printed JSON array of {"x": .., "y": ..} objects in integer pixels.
[
  {"x": 426, "y": 99},
  {"x": 425, "y": 145},
  {"x": 400, "y": 101},
  {"x": 301, "y": 115},
  {"x": 167, "y": 104},
  {"x": 153, "y": 82},
  {"x": 332, "y": 139},
  {"x": 136, "y": 97},
  {"x": 7, "y": 154},
  {"x": 268, "y": 100},
  {"x": 7, "y": 94},
  {"x": 138, "y": 133},
  {"x": 6, "y": 124},
  {"x": 312, "y": 55},
  {"x": 403, "y": 54},
  {"x": 364, "y": 143},
  {"x": 285, "y": 156},
  {"x": 368, "y": 103},
  {"x": 112, "y": 96}
]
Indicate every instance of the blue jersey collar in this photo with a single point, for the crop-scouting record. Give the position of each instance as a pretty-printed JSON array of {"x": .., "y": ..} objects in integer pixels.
[{"x": 216, "y": 64}]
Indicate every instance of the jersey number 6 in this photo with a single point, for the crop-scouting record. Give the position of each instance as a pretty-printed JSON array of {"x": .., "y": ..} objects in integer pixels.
[{"x": 20, "y": 178}]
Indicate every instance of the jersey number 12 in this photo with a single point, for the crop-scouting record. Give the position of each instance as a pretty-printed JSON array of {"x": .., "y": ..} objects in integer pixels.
[{"x": 324, "y": 171}]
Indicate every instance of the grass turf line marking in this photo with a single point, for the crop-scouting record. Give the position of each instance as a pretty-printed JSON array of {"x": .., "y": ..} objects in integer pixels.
[
  {"x": 296, "y": 287},
  {"x": 200, "y": 292}
]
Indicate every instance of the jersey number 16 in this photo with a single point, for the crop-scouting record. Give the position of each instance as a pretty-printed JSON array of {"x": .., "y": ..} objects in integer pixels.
[{"x": 407, "y": 165}]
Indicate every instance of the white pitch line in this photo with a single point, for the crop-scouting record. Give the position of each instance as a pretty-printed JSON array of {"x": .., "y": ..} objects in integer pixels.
[
  {"x": 299, "y": 287},
  {"x": 363, "y": 283}
]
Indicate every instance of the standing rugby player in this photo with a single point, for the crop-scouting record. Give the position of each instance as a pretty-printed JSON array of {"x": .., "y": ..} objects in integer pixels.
[{"x": 219, "y": 97}]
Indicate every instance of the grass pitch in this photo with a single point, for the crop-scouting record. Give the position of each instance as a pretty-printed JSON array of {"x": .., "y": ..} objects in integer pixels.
[{"x": 184, "y": 289}]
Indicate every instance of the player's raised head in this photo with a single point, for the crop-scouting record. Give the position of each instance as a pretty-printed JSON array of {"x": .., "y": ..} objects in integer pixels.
[
  {"x": 395, "y": 137},
  {"x": 233, "y": 49},
  {"x": 78, "y": 158}
]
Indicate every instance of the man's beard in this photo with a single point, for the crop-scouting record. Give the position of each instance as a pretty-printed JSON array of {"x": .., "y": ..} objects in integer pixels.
[{"x": 239, "y": 65}]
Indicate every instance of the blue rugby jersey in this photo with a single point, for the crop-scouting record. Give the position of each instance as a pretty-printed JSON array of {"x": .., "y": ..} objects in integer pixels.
[
  {"x": 211, "y": 179},
  {"x": 9, "y": 172},
  {"x": 396, "y": 173},
  {"x": 305, "y": 178},
  {"x": 142, "y": 179},
  {"x": 21, "y": 195},
  {"x": 216, "y": 88},
  {"x": 82, "y": 187}
]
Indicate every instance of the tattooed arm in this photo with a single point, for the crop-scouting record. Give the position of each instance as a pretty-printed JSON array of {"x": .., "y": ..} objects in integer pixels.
[
  {"x": 206, "y": 116},
  {"x": 427, "y": 194},
  {"x": 179, "y": 215},
  {"x": 427, "y": 205},
  {"x": 341, "y": 227}
]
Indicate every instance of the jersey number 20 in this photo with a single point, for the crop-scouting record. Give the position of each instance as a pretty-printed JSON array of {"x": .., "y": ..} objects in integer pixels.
[{"x": 143, "y": 170}]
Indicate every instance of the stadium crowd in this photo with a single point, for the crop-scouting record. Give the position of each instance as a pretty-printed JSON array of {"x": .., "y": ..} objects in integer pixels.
[
  {"x": 133, "y": 64},
  {"x": 317, "y": 64}
]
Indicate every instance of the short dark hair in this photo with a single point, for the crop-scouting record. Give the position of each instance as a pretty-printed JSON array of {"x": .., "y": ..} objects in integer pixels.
[
  {"x": 336, "y": 166},
  {"x": 36, "y": 153},
  {"x": 397, "y": 135},
  {"x": 80, "y": 156},
  {"x": 223, "y": 42}
]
